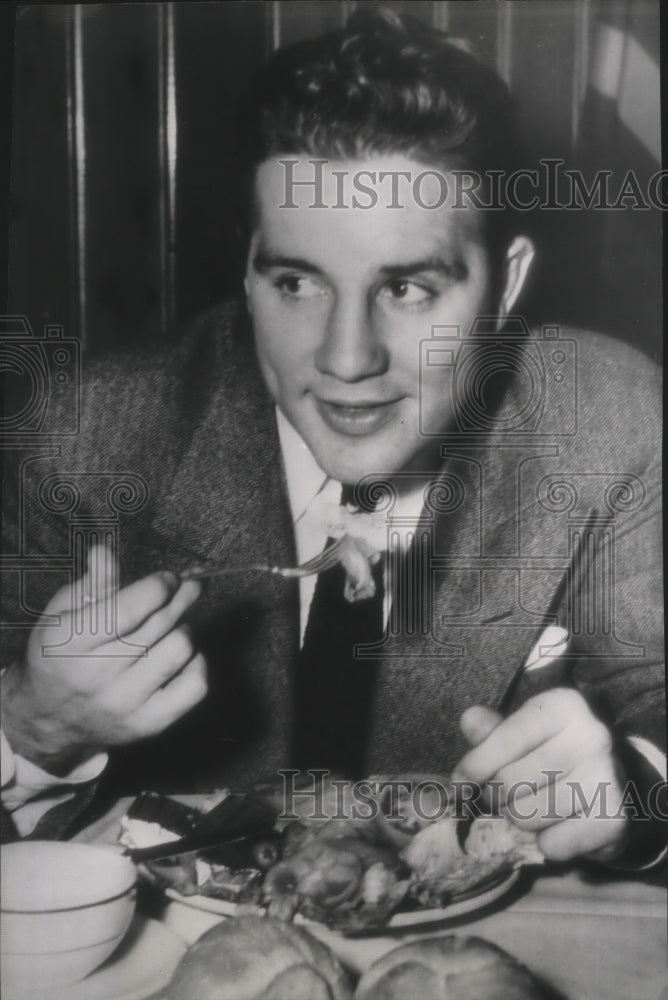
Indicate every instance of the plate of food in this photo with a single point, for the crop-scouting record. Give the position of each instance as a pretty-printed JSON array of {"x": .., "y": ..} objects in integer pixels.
[{"x": 389, "y": 860}]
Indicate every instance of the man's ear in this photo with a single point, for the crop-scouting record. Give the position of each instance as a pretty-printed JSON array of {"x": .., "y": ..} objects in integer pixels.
[{"x": 519, "y": 256}]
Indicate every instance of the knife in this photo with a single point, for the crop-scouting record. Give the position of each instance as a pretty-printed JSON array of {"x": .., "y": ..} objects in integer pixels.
[
  {"x": 574, "y": 577},
  {"x": 199, "y": 841}
]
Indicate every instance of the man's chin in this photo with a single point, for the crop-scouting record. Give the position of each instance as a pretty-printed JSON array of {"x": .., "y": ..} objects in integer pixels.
[{"x": 365, "y": 462}]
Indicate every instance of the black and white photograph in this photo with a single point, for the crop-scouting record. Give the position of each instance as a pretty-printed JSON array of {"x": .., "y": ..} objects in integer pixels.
[{"x": 332, "y": 659}]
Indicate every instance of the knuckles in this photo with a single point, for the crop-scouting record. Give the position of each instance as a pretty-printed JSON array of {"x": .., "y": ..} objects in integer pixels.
[
  {"x": 572, "y": 709},
  {"x": 565, "y": 702},
  {"x": 507, "y": 777},
  {"x": 176, "y": 649},
  {"x": 158, "y": 590},
  {"x": 183, "y": 648}
]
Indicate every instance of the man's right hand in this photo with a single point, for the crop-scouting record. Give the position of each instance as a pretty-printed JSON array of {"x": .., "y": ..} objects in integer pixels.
[{"x": 109, "y": 687}]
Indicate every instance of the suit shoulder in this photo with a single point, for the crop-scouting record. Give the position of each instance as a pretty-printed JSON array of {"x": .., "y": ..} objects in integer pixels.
[
  {"x": 146, "y": 404},
  {"x": 616, "y": 376},
  {"x": 619, "y": 395},
  {"x": 599, "y": 397},
  {"x": 604, "y": 358},
  {"x": 206, "y": 344}
]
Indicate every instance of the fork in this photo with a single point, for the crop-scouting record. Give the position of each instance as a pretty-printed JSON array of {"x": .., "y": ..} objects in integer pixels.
[{"x": 324, "y": 560}]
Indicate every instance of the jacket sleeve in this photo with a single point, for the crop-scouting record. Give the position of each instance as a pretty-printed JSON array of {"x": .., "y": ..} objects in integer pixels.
[
  {"x": 38, "y": 804},
  {"x": 618, "y": 628}
]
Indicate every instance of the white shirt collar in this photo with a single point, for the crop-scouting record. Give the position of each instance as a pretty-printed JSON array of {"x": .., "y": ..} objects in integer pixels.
[
  {"x": 305, "y": 478},
  {"x": 306, "y": 481}
]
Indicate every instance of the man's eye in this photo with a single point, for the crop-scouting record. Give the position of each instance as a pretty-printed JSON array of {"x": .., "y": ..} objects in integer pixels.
[
  {"x": 298, "y": 286},
  {"x": 406, "y": 292}
]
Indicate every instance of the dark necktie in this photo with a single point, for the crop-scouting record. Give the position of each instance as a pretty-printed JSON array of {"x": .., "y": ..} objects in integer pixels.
[{"x": 334, "y": 690}]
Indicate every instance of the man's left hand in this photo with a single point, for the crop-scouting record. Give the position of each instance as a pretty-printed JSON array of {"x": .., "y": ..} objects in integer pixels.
[{"x": 557, "y": 773}]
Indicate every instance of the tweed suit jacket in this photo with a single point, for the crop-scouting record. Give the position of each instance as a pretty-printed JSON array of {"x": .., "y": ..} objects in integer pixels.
[{"x": 192, "y": 433}]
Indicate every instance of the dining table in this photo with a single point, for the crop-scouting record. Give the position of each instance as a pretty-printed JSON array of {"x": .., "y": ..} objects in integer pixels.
[{"x": 591, "y": 934}]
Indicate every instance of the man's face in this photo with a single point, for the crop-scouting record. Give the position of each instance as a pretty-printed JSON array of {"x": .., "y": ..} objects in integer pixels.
[{"x": 341, "y": 299}]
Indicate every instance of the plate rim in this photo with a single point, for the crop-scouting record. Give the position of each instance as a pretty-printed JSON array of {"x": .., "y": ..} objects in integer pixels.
[{"x": 470, "y": 903}]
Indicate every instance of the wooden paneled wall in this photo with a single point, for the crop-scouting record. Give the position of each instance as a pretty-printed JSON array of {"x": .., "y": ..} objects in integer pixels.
[
  {"x": 121, "y": 206},
  {"x": 120, "y": 163}
]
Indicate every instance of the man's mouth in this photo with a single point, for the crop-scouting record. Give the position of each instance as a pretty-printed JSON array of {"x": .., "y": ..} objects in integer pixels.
[{"x": 356, "y": 419}]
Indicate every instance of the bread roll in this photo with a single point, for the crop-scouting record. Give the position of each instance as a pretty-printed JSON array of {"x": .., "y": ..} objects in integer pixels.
[
  {"x": 449, "y": 968},
  {"x": 257, "y": 958}
]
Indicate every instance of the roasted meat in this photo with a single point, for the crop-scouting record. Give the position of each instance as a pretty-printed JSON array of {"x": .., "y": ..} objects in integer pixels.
[{"x": 335, "y": 876}]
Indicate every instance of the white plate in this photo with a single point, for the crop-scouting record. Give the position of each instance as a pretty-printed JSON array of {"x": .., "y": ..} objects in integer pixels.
[
  {"x": 143, "y": 963},
  {"x": 471, "y": 902}
]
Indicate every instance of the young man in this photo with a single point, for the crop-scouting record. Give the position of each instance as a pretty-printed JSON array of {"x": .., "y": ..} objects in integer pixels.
[{"x": 378, "y": 349}]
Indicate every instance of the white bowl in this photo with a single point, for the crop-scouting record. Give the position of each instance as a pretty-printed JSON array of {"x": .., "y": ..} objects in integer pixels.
[{"x": 65, "y": 908}]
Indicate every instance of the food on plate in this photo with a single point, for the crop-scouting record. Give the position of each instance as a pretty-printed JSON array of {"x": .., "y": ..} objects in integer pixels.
[
  {"x": 496, "y": 836},
  {"x": 410, "y": 802},
  {"x": 332, "y": 874},
  {"x": 434, "y": 851},
  {"x": 441, "y": 867},
  {"x": 449, "y": 968},
  {"x": 233, "y": 872},
  {"x": 352, "y": 872},
  {"x": 156, "y": 819},
  {"x": 258, "y": 958}
]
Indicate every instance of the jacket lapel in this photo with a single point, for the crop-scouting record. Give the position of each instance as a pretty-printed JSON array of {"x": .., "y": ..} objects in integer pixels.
[
  {"x": 229, "y": 478},
  {"x": 486, "y": 615},
  {"x": 227, "y": 504}
]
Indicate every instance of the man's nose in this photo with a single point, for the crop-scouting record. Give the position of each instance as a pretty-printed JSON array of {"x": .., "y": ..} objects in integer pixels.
[{"x": 351, "y": 348}]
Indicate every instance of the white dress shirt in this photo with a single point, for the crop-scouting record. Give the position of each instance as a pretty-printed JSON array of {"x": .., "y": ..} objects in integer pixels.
[{"x": 308, "y": 487}]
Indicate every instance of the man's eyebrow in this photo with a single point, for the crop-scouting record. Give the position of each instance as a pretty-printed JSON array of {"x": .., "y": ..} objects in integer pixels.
[
  {"x": 263, "y": 261},
  {"x": 456, "y": 268}
]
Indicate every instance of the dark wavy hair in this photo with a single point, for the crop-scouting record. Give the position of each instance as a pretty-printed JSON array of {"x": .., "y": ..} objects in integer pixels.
[{"x": 384, "y": 84}]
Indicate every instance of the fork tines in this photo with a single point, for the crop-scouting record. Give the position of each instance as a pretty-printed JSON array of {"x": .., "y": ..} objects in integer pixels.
[{"x": 324, "y": 560}]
